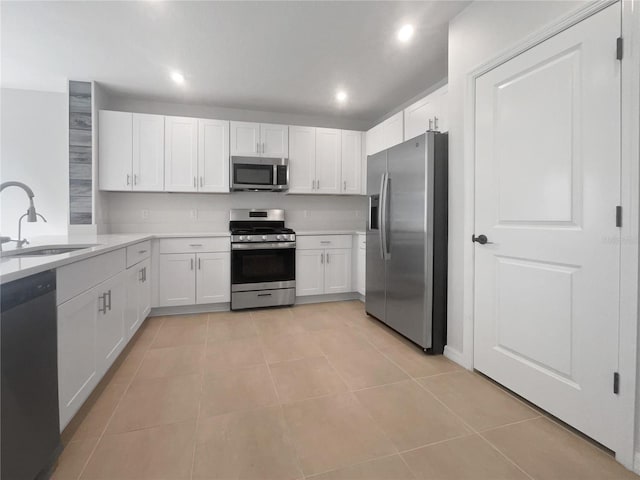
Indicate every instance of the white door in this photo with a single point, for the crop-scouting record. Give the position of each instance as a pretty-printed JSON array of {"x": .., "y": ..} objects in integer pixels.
[
  {"x": 213, "y": 156},
  {"x": 131, "y": 313},
  {"x": 77, "y": 370},
  {"x": 180, "y": 154},
  {"x": 245, "y": 139},
  {"x": 302, "y": 159},
  {"x": 110, "y": 329},
  {"x": 547, "y": 185},
  {"x": 115, "y": 150},
  {"x": 148, "y": 152},
  {"x": 337, "y": 270},
  {"x": 213, "y": 277},
  {"x": 328, "y": 152},
  {"x": 309, "y": 272},
  {"x": 351, "y": 146},
  {"x": 418, "y": 118},
  {"x": 177, "y": 279},
  {"x": 274, "y": 140}
]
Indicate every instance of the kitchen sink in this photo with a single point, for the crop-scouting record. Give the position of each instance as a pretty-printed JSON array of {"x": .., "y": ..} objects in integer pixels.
[{"x": 44, "y": 250}]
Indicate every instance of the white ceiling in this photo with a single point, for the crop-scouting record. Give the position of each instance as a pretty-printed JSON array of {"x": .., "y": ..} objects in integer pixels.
[{"x": 274, "y": 56}]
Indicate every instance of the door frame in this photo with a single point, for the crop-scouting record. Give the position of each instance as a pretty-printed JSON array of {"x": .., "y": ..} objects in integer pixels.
[{"x": 630, "y": 200}]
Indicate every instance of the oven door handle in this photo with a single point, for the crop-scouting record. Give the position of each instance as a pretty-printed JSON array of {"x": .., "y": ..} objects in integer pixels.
[{"x": 262, "y": 245}]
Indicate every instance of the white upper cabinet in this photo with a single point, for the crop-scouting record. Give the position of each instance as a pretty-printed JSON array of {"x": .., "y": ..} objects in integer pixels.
[
  {"x": 148, "y": 152},
  {"x": 328, "y": 160},
  {"x": 430, "y": 113},
  {"x": 245, "y": 139},
  {"x": 115, "y": 150},
  {"x": 393, "y": 130},
  {"x": 375, "y": 140},
  {"x": 351, "y": 146},
  {"x": 181, "y": 154},
  {"x": 274, "y": 140},
  {"x": 213, "y": 156},
  {"x": 302, "y": 159},
  {"x": 250, "y": 139}
]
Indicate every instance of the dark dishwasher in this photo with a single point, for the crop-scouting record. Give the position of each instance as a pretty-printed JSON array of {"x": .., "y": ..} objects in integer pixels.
[{"x": 30, "y": 429}]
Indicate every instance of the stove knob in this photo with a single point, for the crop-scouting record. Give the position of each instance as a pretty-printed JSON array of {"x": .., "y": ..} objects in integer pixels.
[
  {"x": 264, "y": 237},
  {"x": 248, "y": 238},
  {"x": 241, "y": 238},
  {"x": 279, "y": 237}
]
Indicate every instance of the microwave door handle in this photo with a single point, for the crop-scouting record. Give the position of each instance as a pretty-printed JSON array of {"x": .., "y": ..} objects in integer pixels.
[{"x": 275, "y": 175}]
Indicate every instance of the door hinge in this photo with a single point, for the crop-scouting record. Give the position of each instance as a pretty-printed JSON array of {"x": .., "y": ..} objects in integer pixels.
[
  {"x": 619, "y": 48},
  {"x": 616, "y": 383},
  {"x": 618, "y": 216}
]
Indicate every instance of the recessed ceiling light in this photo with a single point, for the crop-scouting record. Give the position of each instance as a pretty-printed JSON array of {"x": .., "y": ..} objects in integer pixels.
[
  {"x": 405, "y": 33},
  {"x": 177, "y": 77},
  {"x": 341, "y": 96}
]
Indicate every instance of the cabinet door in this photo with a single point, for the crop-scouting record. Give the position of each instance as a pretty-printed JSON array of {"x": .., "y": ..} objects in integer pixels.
[
  {"x": 275, "y": 140},
  {"x": 110, "y": 330},
  {"x": 351, "y": 146},
  {"x": 337, "y": 270},
  {"x": 418, "y": 115},
  {"x": 213, "y": 277},
  {"x": 77, "y": 369},
  {"x": 393, "y": 130},
  {"x": 245, "y": 139},
  {"x": 213, "y": 156},
  {"x": 177, "y": 279},
  {"x": 148, "y": 152},
  {"x": 328, "y": 152},
  {"x": 302, "y": 159},
  {"x": 180, "y": 154},
  {"x": 375, "y": 140},
  {"x": 131, "y": 318},
  {"x": 115, "y": 150},
  {"x": 144, "y": 297},
  {"x": 309, "y": 272}
]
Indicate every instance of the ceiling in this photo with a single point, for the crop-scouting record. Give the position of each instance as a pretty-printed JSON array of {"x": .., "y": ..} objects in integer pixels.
[{"x": 275, "y": 56}]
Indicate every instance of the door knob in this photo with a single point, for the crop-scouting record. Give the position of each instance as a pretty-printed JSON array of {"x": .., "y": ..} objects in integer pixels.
[{"x": 481, "y": 239}]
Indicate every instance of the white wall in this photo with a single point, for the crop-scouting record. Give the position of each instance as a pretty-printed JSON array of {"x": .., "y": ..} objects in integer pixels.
[
  {"x": 198, "y": 212},
  {"x": 33, "y": 150}
]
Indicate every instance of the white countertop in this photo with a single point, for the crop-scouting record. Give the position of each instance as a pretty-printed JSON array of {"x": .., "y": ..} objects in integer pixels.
[{"x": 14, "y": 268}]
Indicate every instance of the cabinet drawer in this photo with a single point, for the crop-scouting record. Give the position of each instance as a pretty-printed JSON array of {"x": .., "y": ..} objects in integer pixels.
[
  {"x": 138, "y": 252},
  {"x": 81, "y": 276},
  {"x": 194, "y": 244},
  {"x": 323, "y": 241}
]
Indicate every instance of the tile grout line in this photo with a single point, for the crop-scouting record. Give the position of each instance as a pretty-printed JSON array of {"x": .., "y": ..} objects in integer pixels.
[
  {"x": 202, "y": 378},
  {"x": 284, "y": 420},
  {"x": 95, "y": 447}
]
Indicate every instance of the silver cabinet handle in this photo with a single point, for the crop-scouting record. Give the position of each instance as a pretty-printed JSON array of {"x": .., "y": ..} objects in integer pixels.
[
  {"x": 322, "y": 258},
  {"x": 135, "y": 179},
  {"x": 262, "y": 147},
  {"x": 141, "y": 275},
  {"x": 327, "y": 257},
  {"x": 435, "y": 123},
  {"x": 140, "y": 252},
  {"x": 195, "y": 244},
  {"x": 202, "y": 181},
  {"x": 145, "y": 273},
  {"x": 103, "y": 297},
  {"x": 192, "y": 264},
  {"x": 194, "y": 182},
  {"x": 325, "y": 242},
  {"x": 317, "y": 184},
  {"x": 430, "y": 124},
  {"x": 109, "y": 296},
  {"x": 199, "y": 263},
  {"x": 313, "y": 184},
  {"x": 128, "y": 178},
  {"x": 345, "y": 185},
  {"x": 257, "y": 147}
]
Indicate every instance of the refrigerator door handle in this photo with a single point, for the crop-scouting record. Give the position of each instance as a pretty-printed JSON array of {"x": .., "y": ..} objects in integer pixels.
[
  {"x": 381, "y": 228},
  {"x": 385, "y": 213}
]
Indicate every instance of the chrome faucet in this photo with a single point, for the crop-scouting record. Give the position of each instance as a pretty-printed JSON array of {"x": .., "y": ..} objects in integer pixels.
[{"x": 32, "y": 215}]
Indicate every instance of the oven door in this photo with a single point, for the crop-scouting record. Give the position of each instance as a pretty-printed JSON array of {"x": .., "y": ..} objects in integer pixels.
[
  {"x": 269, "y": 174},
  {"x": 259, "y": 266}
]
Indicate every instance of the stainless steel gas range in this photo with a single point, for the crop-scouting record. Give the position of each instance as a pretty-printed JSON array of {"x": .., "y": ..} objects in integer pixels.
[{"x": 263, "y": 259}]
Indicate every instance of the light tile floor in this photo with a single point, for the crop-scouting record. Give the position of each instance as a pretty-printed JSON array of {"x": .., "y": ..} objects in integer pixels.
[{"x": 315, "y": 391}]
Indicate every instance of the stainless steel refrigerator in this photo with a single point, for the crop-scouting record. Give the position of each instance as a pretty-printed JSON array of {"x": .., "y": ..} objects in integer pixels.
[{"x": 406, "y": 284}]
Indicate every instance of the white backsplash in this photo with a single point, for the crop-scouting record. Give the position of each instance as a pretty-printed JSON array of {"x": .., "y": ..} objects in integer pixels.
[{"x": 198, "y": 212}]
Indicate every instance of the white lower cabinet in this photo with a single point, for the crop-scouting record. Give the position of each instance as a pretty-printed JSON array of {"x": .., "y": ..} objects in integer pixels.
[
  {"x": 138, "y": 297},
  {"x": 110, "y": 331},
  {"x": 194, "y": 276},
  {"x": 323, "y": 265}
]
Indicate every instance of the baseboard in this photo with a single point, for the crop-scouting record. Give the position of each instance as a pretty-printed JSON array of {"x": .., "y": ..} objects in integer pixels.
[
  {"x": 190, "y": 309},
  {"x": 455, "y": 356},
  {"x": 332, "y": 297}
]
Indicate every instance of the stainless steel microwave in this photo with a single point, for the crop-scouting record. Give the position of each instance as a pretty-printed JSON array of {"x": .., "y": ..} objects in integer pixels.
[{"x": 259, "y": 174}]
